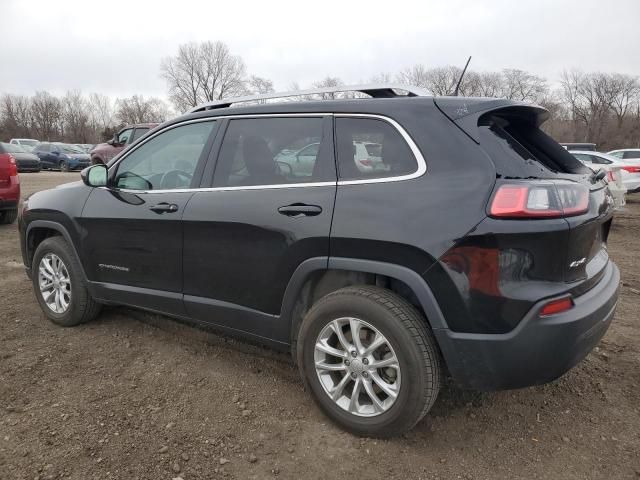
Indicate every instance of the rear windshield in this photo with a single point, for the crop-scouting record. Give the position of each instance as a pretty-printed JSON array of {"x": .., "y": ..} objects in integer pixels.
[
  {"x": 519, "y": 149},
  {"x": 12, "y": 148}
]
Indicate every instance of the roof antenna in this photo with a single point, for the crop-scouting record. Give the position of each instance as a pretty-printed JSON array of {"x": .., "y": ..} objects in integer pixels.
[{"x": 464, "y": 70}]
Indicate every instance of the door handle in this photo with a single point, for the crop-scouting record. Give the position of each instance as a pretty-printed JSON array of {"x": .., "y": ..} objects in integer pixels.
[
  {"x": 300, "y": 210},
  {"x": 164, "y": 208}
]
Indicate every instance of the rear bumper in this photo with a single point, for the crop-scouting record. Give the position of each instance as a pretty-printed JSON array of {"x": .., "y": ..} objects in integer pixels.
[
  {"x": 8, "y": 204},
  {"x": 539, "y": 349}
]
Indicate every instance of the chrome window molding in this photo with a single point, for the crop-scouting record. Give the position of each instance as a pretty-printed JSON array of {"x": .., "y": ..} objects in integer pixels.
[{"x": 421, "y": 170}]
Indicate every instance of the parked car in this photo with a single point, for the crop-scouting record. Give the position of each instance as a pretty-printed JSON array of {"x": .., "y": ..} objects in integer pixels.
[
  {"x": 627, "y": 154},
  {"x": 480, "y": 251},
  {"x": 9, "y": 188},
  {"x": 588, "y": 147},
  {"x": 630, "y": 167},
  {"x": 25, "y": 160},
  {"x": 103, "y": 152},
  {"x": 27, "y": 143},
  {"x": 601, "y": 161},
  {"x": 61, "y": 156}
]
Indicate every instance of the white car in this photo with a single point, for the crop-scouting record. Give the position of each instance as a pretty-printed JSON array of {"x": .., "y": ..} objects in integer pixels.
[
  {"x": 627, "y": 154},
  {"x": 368, "y": 156},
  {"x": 27, "y": 143},
  {"x": 630, "y": 168},
  {"x": 614, "y": 168}
]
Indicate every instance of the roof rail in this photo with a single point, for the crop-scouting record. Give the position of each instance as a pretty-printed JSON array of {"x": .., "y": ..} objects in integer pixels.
[{"x": 374, "y": 90}]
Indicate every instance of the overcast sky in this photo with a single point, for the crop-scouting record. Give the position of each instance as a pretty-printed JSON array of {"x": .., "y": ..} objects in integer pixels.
[{"x": 115, "y": 47}]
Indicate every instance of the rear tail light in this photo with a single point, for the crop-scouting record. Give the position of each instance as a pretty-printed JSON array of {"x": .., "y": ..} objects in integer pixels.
[
  {"x": 631, "y": 169},
  {"x": 366, "y": 162},
  {"x": 610, "y": 176},
  {"x": 539, "y": 200},
  {"x": 556, "y": 306},
  {"x": 13, "y": 167}
]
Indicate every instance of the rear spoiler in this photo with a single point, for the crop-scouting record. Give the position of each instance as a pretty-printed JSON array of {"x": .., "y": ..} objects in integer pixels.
[{"x": 467, "y": 113}]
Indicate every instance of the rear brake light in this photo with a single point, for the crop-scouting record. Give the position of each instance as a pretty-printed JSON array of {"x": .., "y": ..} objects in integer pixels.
[
  {"x": 556, "y": 306},
  {"x": 632, "y": 169},
  {"x": 539, "y": 200},
  {"x": 610, "y": 176},
  {"x": 13, "y": 167},
  {"x": 366, "y": 162}
]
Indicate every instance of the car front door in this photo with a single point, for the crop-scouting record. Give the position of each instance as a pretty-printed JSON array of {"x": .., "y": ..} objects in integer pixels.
[
  {"x": 265, "y": 215},
  {"x": 44, "y": 152},
  {"x": 133, "y": 245}
]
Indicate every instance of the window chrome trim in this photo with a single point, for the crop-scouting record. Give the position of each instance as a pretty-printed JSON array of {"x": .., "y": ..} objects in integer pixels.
[{"x": 421, "y": 170}]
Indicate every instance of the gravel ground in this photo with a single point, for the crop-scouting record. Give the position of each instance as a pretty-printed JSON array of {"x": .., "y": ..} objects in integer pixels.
[{"x": 135, "y": 396}]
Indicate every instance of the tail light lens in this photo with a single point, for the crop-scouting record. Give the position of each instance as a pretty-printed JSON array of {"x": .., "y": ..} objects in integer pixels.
[
  {"x": 632, "y": 169},
  {"x": 539, "y": 200},
  {"x": 366, "y": 162},
  {"x": 13, "y": 167},
  {"x": 610, "y": 177},
  {"x": 556, "y": 306}
]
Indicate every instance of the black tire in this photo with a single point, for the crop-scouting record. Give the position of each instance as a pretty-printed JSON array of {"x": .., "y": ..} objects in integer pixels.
[
  {"x": 414, "y": 346},
  {"x": 8, "y": 216},
  {"x": 63, "y": 166},
  {"x": 82, "y": 308}
]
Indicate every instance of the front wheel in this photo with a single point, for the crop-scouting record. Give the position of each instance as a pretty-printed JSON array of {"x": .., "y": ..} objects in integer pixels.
[
  {"x": 64, "y": 167},
  {"x": 60, "y": 286},
  {"x": 369, "y": 360}
]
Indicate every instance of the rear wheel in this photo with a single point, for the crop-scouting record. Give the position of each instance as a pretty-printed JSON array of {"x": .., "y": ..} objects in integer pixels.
[
  {"x": 8, "y": 216},
  {"x": 64, "y": 167},
  {"x": 60, "y": 286},
  {"x": 369, "y": 360}
]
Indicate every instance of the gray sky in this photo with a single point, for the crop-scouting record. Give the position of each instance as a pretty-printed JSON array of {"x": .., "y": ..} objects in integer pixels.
[{"x": 115, "y": 47}]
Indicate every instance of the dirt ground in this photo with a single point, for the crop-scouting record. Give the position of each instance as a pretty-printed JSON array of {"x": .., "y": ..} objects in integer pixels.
[{"x": 135, "y": 396}]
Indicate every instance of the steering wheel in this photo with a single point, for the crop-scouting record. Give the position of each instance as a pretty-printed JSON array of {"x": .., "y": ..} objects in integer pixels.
[{"x": 175, "y": 179}]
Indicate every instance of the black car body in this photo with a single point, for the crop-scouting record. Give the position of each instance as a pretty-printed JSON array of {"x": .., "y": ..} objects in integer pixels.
[
  {"x": 26, "y": 161},
  {"x": 513, "y": 297}
]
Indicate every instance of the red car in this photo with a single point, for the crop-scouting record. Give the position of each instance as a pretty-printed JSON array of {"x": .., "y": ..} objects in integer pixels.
[
  {"x": 104, "y": 152},
  {"x": 9, "y": 188}
]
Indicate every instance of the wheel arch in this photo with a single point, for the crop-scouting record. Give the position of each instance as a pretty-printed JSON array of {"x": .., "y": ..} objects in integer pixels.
[
  {"x": 306, "y": 286},
  {"x": 39, "y": 230}
]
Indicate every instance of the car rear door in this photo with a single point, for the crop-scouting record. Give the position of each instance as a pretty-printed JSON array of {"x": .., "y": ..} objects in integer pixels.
[
  {"x": 134, "y": 240},
  {"x": 265, "y": 214}
]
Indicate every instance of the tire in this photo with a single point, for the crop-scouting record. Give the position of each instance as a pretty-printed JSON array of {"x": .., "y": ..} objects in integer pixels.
[
  {"x": 8, "y": 216},
  {"x": 63, "y": 166},
  {"x": 81, "y": 307},
  {"x": 417, "y": 378}
]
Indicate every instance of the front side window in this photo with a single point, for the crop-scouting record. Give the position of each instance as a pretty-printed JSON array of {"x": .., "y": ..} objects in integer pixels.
[
  {"x": 272, "y": 151},
  {"x": 371, "y": 148},
  {"x": 123, "y": 136},
  {"x": 138, "y": 133},
  {"x": 167, "y": 161},
  {"x": 599, "y": 160},
  {"x": 617, "y": 154},
  {"x": 582, "y": 157}
]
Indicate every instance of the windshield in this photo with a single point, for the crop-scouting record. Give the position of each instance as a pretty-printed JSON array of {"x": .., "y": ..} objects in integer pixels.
[
  {"x": 31, "y": 143},
  {"x": 65, "y": 148},
  {"x": 12, "y": 148}
]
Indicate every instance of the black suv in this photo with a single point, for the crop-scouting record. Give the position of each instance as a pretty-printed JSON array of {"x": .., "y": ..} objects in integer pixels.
[{"x": 462, "y": 241}]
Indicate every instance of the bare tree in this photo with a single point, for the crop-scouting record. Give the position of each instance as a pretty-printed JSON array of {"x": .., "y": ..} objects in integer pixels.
[
  {"x": 624, "y": 92},
  {"x": 15, "y": 115},
  {"x": 137, "y": 109},
  {"x": 203, "y": 72},
  {"x": 328, "y": 82},
  {"x": 100, "y": 111},
  {"x": 259, "y": 85},
  {"x": 524, "y": 86},
  {"x": 47, "y": 113},
  {"x": 75, "y": 114}
]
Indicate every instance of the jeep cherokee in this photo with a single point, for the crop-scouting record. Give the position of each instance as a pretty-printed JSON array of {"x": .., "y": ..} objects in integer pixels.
[{"x": 478, "y": 251}]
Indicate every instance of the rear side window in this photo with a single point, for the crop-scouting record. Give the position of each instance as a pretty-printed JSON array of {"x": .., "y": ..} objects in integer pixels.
[
  {"x": 371, "y": 148},
  {"x": 273, "y": 151},
  {"x": 633, "y": 154}
]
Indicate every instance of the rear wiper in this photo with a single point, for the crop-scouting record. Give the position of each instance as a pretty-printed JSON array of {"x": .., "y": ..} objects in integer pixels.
[{"x": 597, "y": 175}]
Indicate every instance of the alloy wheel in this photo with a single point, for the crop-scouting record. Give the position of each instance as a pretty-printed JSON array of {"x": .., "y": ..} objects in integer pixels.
[
  {"x": 357, "y": 367},
  {"x": 55, "y": 283}
]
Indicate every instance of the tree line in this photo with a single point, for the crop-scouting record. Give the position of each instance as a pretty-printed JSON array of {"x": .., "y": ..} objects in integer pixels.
[{"x": 602, "y": 108}]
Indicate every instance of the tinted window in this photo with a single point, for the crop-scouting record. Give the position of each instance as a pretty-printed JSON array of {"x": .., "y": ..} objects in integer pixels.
[
  {"x": 167, "y": 161},
  {"x": 138, "y": 133},
  {"x": 632, "y": 154},
  {"x": 582, "y": 157},
  {"x": 123, "y": 137},
  {"x": 42, "y": 147},
  {"x": 599, "y": 160},
  {"x": 371, "y": 148},
  {"x": 271, "y": 151},
  {"x": 616, "y": 154}
]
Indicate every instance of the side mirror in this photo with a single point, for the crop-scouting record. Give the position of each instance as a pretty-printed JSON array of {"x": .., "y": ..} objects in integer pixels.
[{"x": 95, "y": 175}]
